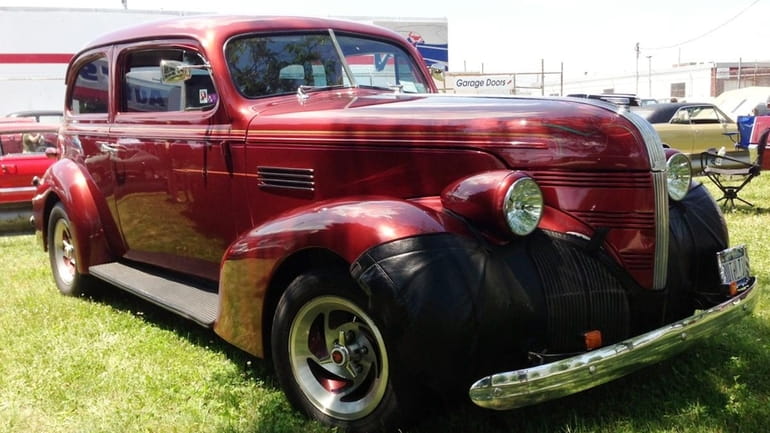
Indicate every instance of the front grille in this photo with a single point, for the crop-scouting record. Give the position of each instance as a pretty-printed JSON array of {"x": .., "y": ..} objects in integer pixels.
[
  {"x": 576, "y": 179},
  {"x": 580, "y": 294},
  {"x": 636, "y": 182}
]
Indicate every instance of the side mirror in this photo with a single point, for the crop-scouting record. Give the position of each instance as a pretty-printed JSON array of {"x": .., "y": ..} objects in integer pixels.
[
  {"x": 173, "y": 71},
  {"x": 437, "y": 71}
]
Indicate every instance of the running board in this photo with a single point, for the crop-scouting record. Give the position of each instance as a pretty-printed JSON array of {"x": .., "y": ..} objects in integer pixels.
[{"x": 188, "y": 301}]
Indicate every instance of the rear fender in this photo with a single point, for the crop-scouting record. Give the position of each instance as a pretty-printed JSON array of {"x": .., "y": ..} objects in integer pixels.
[
  {"x": 66, "y": 182},
  {"x": 343, "y": 228}
]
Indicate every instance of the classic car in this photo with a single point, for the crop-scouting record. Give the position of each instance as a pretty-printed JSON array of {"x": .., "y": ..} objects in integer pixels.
[
  {"x": 22, "y": 157},
  {"x": 693, "y": 128},
  {"x": 299, "y": 186}
]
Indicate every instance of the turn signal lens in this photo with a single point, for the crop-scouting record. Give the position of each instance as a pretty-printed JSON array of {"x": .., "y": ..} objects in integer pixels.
[{"x": 593, "y": 339}]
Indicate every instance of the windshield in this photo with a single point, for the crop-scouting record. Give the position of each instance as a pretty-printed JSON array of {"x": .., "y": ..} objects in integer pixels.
[{"x": 279, "y": 64}]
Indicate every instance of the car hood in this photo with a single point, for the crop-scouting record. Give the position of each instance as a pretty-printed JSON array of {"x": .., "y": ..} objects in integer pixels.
[{"x": 525, "y": 133}]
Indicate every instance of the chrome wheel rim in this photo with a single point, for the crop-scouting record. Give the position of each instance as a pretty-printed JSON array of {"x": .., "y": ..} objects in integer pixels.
[
  {"x": 338, "y": 357},
  {"x": 64, "y": 252}
]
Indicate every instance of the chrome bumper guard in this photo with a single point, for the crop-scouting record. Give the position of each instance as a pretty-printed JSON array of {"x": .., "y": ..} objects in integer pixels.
[{"x": 509, "y": 390}]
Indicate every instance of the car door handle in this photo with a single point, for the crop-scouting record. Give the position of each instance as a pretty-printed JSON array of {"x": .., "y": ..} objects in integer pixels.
[
  {"x": 112, "y": 149},
  {"x": 8, "y": 168}
]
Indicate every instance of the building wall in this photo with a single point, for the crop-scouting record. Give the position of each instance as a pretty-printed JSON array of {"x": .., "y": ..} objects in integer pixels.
[
  {"x": 690, "y": 82},
  {"x": 32, "y": 68}
]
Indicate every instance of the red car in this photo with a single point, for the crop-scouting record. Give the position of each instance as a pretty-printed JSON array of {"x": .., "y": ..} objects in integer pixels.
[
  {"x": 297, "y": 185},
  {"x": 22, "y": 158}
]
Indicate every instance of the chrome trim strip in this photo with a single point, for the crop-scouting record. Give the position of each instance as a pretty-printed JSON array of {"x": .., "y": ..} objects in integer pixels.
[
  {"x": 17, "y": 189},
  {"x": 509, "y": 390},
  {"x": 660, "y": 184},
  {"x": 657, "y": 156},
  {"x": 287, "y": 178}
]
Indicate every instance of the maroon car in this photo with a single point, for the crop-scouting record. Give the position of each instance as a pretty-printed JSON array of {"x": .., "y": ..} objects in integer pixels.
[
  {"x": 296, "y": 185},
  {"x": 23, "y": 143}
]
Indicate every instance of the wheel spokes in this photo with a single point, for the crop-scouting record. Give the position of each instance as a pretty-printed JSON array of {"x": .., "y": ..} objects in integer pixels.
[{"x": 338, "y": 357}]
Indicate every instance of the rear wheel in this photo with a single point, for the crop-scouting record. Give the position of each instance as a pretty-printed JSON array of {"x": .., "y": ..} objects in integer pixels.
[
  {"x": 62, "y": 252},
  {"x": 331, "y": 357}
]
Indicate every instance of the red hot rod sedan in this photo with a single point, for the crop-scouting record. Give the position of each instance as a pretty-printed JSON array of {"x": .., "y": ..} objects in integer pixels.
[{"x": 296, "y": 185}]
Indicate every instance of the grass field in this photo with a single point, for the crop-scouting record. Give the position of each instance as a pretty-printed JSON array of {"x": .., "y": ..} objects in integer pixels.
[{"x": 112, "y": 363}]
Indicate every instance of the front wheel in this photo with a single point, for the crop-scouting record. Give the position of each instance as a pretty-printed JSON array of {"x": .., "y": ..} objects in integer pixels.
[
  {"x": 62, "y": 252},
  {"x": 331, "y": 357}
]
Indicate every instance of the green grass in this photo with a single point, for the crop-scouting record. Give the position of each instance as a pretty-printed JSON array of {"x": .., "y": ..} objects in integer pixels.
[{"x": 112, "y": 363}]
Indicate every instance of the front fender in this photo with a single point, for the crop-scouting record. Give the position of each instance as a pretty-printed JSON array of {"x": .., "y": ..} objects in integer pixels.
[
  {"x": 66, "y": 182},
  {"x": 345, "y": 228}
]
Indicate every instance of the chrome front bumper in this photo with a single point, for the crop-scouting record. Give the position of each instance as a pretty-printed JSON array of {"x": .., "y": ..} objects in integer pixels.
[{"x": 509, "y": 390}]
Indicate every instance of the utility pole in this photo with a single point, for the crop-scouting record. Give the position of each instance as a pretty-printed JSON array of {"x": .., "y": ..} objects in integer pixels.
[
  {"x": 636, "y": 48},
  {"x": 649, "y": 76}
]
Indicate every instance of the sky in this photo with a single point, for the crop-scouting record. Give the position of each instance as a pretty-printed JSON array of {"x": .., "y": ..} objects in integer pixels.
[{"x": 589, "y": 38}]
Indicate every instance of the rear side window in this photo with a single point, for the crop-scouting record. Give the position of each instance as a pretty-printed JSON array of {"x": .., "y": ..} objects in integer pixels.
[
  {"x": 143, "y": 91},
  {"x": 90, "y": 91}
]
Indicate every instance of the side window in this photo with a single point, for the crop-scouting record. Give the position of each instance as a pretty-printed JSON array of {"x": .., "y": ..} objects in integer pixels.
[
  {"x": 682, "y": 116},
  {"x": 704, "y": 116},
  {"x": 90, "y": 91},
  {"x": 26, "y": 142},
  {"x": 143, "y": 91}
]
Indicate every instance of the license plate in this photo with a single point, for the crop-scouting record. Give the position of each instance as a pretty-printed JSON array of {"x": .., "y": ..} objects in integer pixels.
[{"x": 734, "y": 265}]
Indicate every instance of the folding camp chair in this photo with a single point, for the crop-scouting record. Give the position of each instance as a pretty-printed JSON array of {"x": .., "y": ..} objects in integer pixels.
[{"x": 730, "y": 175}]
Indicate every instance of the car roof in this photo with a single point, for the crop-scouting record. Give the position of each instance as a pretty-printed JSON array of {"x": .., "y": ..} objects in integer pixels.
[
  {"x": 622, "y": 99},
  {"x": 663, "y": 112},
  {"x": 202, "y": 27}
]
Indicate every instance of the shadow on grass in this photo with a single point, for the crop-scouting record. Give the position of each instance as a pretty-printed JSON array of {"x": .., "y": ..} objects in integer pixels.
[
  {"x": 273, "y": 413},
  {"x": 195, "y": 334},
  {"x": 717, "y": 385}
]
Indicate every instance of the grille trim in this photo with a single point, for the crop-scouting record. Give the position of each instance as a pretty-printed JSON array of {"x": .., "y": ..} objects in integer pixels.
[{"x": 658, "y": 167}]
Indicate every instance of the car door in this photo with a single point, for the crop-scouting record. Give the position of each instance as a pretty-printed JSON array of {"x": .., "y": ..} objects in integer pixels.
[
  {"x": 85, "y": 130},
  {"x": 22, "y": 157},
  {"x": 172, "y": 180},
  {"x": 711, "y": 129},
  {"x": 678, "y": 132}
]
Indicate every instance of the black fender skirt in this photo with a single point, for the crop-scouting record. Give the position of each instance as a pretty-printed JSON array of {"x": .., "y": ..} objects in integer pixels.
[
  {"x": 697, "y": 232},
  {"x": 453, "y": 307}
]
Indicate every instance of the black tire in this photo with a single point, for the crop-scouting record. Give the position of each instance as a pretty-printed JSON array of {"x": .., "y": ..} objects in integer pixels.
[
  {"x": 323, "y": 332},
  {"x": 63, "y": 252}
]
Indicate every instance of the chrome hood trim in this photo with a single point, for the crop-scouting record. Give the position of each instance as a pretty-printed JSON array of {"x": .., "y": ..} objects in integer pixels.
[{"x": 509, "y": 390}]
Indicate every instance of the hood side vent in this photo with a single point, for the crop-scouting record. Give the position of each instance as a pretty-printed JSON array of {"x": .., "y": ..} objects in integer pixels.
[{"x": 296, "y": 179}]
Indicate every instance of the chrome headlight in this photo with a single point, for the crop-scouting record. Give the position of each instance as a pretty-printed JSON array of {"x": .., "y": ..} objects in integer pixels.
[
  {"x": 678, "y": 176},
  {"x": 523, "y": 206}
]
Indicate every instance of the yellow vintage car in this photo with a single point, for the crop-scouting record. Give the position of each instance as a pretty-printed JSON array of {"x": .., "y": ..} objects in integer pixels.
[{"x": 692, "y": 127}]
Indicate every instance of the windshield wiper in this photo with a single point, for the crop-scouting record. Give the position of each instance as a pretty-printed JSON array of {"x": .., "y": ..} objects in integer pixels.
[{"x": 304, "y": 89}]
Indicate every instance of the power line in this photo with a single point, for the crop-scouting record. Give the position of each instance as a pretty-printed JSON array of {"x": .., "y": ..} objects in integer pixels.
[{"x": 708, "y": 32}]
